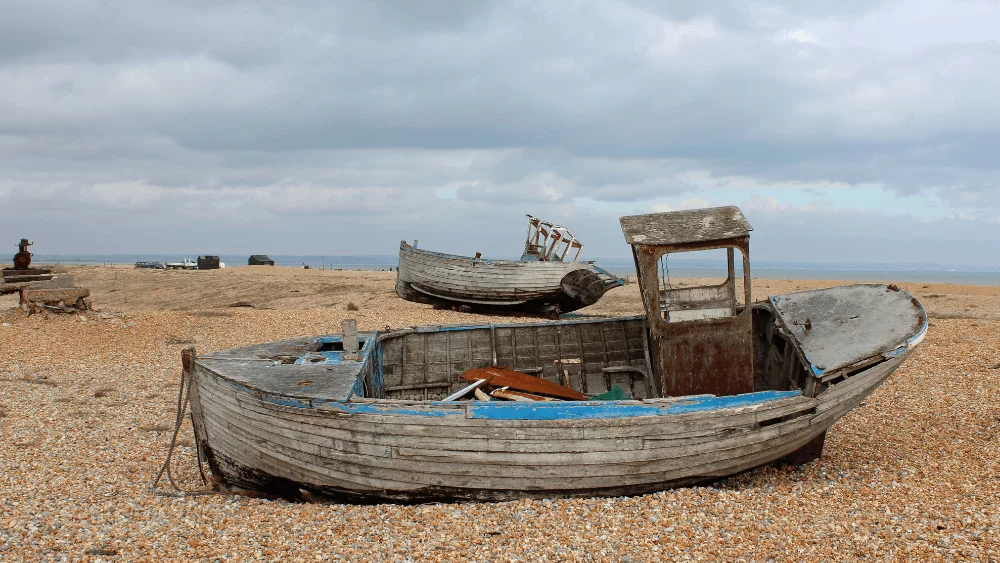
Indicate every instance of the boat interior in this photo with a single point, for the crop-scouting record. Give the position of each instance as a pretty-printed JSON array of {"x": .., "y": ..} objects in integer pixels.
[{"x": 590, "y": 356}]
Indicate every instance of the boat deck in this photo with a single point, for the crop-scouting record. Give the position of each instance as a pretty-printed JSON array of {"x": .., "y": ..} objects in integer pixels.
[{"x": 304, "y": 368}]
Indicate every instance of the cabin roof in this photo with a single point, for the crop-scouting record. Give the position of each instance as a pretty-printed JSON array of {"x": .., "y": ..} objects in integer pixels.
[{"x": 679, "y": 227}]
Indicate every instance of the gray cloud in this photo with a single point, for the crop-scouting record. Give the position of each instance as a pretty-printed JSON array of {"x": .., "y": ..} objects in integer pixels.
[{"x": 236, "y": 123}]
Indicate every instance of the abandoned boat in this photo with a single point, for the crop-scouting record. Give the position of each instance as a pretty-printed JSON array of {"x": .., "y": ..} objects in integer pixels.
[
  {"x": 544, "y": 281},
  {"x": 714, "y": 385}
]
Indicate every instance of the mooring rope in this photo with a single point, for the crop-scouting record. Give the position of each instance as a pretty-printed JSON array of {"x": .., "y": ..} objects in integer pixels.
[{"x": 183, "y": 397}]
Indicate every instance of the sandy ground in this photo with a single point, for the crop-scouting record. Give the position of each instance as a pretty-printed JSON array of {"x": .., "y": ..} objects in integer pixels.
[{"x": 87, "y": 402}]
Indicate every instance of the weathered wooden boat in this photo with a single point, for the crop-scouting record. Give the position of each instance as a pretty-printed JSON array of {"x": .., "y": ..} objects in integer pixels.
[
  {"x": 541, "y": 282},
  {"x": 716, "y": 388}
]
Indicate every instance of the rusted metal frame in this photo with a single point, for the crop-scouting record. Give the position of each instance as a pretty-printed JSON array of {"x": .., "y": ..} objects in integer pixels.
[
  {"x": 663, "y": 332},
  {"x": 647, "y": 258}
]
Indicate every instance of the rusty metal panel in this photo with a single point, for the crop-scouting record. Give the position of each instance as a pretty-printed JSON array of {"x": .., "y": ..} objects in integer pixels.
[
  {"x": 681, "y": 227},
  {"x": 714, "y": 355}
]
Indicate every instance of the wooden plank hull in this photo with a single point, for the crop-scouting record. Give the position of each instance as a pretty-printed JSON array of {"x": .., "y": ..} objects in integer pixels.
[
  {"x": 411, "y": 451},
  {"x": 508, "y": 286}
]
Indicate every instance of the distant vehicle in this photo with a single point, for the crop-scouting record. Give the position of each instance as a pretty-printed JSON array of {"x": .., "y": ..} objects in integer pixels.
[
  {"x": 151, "y": 265},
  {"x": 184, "y": 264}
]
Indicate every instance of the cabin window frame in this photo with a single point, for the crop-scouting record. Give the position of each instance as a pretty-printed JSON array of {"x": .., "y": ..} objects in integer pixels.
[{"x": 648, "y": 259}]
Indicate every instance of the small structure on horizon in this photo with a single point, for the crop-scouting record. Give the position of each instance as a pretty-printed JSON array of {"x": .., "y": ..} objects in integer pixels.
[
  {"x": 208, "y": 262},
  {"x": 260, "y": 260}
]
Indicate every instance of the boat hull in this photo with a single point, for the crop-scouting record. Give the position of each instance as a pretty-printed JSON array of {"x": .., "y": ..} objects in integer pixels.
[
  {"x": 311, "y": 419},
  {"x": 504, "y": 286},
  {"x": 373, "y": 450}
]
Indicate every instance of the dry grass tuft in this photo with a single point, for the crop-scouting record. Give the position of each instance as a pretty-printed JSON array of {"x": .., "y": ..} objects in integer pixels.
[{"x": 351, "y": 306}]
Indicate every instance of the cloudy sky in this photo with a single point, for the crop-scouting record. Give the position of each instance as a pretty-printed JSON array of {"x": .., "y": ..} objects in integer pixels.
[{"x": 846, "y": 131}]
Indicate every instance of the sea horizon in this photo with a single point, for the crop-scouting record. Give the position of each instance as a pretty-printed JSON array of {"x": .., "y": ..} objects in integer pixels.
[{"x": 679, "y": 268}]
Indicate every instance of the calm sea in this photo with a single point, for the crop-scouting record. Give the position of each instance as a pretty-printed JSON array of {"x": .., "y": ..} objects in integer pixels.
[{"x": 621, "y": 267}]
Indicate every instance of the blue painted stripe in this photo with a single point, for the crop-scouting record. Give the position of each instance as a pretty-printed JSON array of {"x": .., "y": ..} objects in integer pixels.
[
  {"x": 613, "y": 409},
  {"x": 562, "y": 410},
  {"x": 369, "y": 408}
]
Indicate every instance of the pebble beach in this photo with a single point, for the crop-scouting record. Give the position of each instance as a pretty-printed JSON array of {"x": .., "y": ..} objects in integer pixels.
[{"x": 87, "y": 407}]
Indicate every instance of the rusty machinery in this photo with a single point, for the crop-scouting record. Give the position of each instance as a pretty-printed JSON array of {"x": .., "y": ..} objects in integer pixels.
[{"x": 23, "y": 258}]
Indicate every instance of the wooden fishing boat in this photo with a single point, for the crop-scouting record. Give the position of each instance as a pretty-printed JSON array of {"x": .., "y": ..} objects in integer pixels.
[
  {"x": 714, "y": 387},
  {"x": 544, "y": 281}
]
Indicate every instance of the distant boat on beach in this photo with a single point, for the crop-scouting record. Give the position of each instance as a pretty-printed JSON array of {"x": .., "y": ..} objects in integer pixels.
[{"x": 546, "y": 280}]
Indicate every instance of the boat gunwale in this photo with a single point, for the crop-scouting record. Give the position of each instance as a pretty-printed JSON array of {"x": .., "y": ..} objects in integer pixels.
[
  {"x": 541, "y": 411},
  {"x": 554, "y": 265},
  {"x": 352, "y": 405}
]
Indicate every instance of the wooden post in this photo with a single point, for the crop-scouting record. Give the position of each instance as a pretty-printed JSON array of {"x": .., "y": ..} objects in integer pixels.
[
  {"x": 569, "y": 244},
  {"x": 349, "y": 327},
  {"x": 731, "y": 282},
  {"x": 555, "y": 240},
  {"x": 187, "y": 359}
]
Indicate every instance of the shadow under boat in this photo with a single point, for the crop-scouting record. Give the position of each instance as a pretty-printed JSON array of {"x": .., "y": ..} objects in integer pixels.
[{"x": 715, "y": 385}]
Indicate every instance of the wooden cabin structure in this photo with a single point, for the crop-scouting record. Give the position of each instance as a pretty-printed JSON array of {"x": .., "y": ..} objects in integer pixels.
[{"x": 706, "y": 329}]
